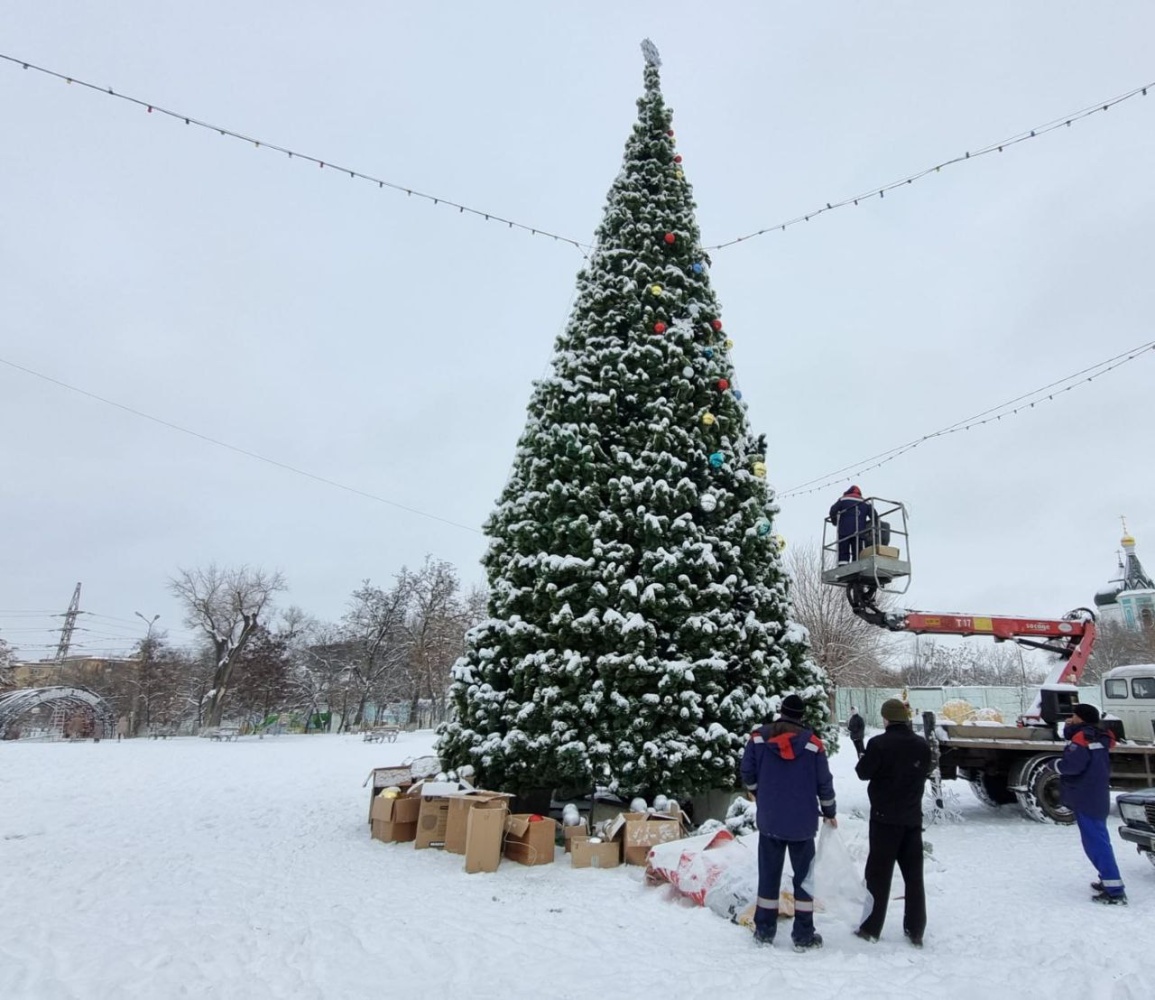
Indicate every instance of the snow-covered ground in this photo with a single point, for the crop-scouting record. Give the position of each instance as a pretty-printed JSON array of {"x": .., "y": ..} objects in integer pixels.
[{"x": 197, "y": 869}]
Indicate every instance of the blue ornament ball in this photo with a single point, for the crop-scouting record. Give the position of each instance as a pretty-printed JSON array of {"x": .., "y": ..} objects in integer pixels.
[
  {"x": 737, "y": 393},
  {"x": 763, "y": 527},
  {"x": 708, "y": 353},
  {"x": 717, "y": 459},
  {"x": 697, "y": 267}
]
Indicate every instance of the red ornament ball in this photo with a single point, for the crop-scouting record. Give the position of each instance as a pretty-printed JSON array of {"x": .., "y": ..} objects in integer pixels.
[
  {"x": 659, "y": 327},
  {"x": 717, "y": 324},
  {"x": 669, "y": 237},
  {"x": 678, "y": 158},
  {"x": 723, "y": 384},
  {"x": 669, "y": 131}
]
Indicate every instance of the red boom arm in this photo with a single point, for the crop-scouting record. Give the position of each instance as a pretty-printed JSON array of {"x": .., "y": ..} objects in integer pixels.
[{"x": 1076, "y": 635}]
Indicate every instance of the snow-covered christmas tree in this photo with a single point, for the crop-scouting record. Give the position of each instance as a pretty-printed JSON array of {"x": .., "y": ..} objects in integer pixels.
[{"x": 639, "y": 613}]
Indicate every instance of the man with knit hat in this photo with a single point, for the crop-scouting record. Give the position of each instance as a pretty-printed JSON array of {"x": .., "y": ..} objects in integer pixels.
[
  {"x": 785, "y": 767},
  {"x": 1084, "y": 783},
  {"x": 896, "y": 763}
]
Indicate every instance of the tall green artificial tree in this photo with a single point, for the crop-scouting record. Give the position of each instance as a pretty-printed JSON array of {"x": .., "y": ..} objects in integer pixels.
[{"x": 639, "y": 613}]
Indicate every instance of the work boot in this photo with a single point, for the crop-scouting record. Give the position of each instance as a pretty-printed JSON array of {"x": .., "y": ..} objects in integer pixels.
[
  {"x": 915, "y": 939},
  {"x": 763, "y": 937},
  {"x": 860, "y": 933},
  {"x": 1096, "y": 886},
  {"x": 809, "y": 944},
  {"x": 1108, "y": 900}
]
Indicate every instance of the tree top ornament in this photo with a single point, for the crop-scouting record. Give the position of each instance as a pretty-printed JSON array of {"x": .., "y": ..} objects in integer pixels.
[{"x": 650, "y": 51}]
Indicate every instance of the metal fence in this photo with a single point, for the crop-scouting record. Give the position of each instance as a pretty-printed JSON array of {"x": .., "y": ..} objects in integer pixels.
[{"x": 1010, "y": 701}]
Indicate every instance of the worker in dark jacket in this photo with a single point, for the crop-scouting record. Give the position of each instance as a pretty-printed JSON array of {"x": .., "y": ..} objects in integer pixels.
[
  {"x": 896, "y": 764},
  {"x": 1084, "y": 783},
  {"x": 853, "y": 518},
  {"x": 785, "y": 766},
  {"x": 856, "y": 727}
]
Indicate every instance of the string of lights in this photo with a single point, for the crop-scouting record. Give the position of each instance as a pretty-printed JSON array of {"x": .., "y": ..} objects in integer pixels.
[
  {"x": 292, "y": 154},
  {"x": 994, "y": 414},
  {"x": 995, "y": 147},
  {"x": 234, "y": 448},
  {"x": 1065, "y": 121}
]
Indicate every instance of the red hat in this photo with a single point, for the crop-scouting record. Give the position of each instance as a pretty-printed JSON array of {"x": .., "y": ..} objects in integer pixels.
[{"x": 854, "y": 491}]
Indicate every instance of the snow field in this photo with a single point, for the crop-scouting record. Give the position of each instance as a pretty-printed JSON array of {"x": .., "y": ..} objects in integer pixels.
[{"x": 186, "y": 868}]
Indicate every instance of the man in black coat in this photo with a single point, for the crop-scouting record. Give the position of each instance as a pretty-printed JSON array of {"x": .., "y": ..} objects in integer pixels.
[
  {"x": 896, "y": 764},
  {"x": 856, "y": 727}
]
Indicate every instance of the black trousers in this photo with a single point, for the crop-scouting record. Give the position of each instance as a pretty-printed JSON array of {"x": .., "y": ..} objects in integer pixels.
[
  {"x": 890, "y": 845},
  {"x": 858, "y": 745}
]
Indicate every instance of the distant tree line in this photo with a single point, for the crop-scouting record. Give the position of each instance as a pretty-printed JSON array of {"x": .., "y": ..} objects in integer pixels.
[{"x": 394, "y": 646}]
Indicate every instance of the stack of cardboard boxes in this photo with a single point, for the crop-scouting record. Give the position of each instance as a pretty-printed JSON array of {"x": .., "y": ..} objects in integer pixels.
[
  {"x": 627, "y": 837},
  {"x": 478, "y": 825}
]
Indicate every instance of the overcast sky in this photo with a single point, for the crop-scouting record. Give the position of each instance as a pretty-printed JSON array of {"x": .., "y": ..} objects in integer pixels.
[{"x": 389, "y": 344}]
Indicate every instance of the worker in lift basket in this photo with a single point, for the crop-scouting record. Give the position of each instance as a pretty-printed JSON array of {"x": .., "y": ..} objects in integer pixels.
[
  {"x": 853, "y": 518},
  {"x": 1085, "y": 779}
]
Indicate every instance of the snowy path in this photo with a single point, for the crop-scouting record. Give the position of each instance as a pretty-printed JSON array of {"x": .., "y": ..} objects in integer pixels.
[{"x": 196, "y": 869}]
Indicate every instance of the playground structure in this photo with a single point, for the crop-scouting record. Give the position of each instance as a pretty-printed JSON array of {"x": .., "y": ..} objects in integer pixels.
[{"x": 55, "y": 713}]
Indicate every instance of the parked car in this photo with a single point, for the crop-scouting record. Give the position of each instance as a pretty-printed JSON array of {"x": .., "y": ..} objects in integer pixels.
[{"x": 1138, "y": 812}]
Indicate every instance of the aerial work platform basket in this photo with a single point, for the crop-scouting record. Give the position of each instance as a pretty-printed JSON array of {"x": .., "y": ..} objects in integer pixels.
[{"x": 871, "y": 555}]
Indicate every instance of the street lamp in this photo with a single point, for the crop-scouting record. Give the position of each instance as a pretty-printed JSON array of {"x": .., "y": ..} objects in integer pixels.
[{"x": 146, "y": 663}]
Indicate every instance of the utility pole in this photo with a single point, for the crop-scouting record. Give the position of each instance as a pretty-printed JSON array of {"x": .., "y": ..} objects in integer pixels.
[{"x": 68, "y": 628}]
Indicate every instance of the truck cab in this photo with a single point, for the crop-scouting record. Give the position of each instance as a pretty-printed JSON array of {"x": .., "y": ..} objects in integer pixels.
[{"x": 1129, "y": 696}]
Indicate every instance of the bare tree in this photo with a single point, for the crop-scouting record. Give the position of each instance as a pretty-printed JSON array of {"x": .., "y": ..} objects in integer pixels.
[
  {"x": 226, "y": 605},
  {"x": 849, "y": 649},
  {"x": 1116, "y": 646},
  {"x": 436, "y": 627},
  {"x": 375, "y": 636},
  {"x": 7, "y": 656}
]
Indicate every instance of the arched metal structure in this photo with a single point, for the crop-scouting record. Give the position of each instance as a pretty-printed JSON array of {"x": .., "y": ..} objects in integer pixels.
[{"x": 74, "y": 712}]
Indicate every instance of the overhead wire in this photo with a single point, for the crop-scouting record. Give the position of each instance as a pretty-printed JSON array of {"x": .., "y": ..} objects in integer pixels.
[
  {"x": 238, "y": 450},
  {"x": 1063, "y": 121},
  {"x": 381, "y": 183},
  {"x": 1009, "y": 408}
]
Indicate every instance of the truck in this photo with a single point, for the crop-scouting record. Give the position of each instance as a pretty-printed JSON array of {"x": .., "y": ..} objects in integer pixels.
[{"x": 1004, "y": 764}]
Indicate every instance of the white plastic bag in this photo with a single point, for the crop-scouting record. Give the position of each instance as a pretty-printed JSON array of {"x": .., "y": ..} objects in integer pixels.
[{"x": 839, "y": 887}]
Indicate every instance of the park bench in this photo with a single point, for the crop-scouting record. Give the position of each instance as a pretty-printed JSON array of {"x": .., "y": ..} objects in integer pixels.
[
  {"x": 381, "y": 734},
  {"x": 159, "y": 734},
  {"x": 224, "y": 733}
]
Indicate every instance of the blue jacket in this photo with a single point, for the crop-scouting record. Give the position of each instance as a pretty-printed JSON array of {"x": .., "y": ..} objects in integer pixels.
[
  {"x": 1085, "y": 770},
  {"x": 785, "y": 765},
  {"x": 852, "y": 516}
]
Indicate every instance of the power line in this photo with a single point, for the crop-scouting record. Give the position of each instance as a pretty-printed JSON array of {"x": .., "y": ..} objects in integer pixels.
[
  {"x": 151, "y": 107},
  {"x": 994, "y": 147},
  {"x": 1011, "y": 407},
  {"x": 234, "y": 448}
]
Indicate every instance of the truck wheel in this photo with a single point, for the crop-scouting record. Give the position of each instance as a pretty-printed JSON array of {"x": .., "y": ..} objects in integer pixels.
[
  {"x": 991, "y": 790},
  {"x": 1037, "y": 789}
]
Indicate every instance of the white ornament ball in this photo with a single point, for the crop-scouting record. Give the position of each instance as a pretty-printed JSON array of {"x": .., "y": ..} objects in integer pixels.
[
  {"x": 638, "y": 805},
  {"x": 688, "y": 371},
  {"x": 708, "y": 502},
  {"x": 661, "y": 803}
]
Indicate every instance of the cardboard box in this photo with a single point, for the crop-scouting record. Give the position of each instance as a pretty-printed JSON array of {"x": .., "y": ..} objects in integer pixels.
[
  {"x": 394, "y": 821},
  {"x": 460, "y": 805},
  {"x": 586, "y": 854},
  {"x": 387, "y": 777},
  {"x": 484, "y": 835},
  {"x": 434, "y": 815},
  {"x": 642, "y": 831},
  {"x": 882, "y": 551},
  {"x": 530, "y": 843},
  {"x": 575, "y": 832}
]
